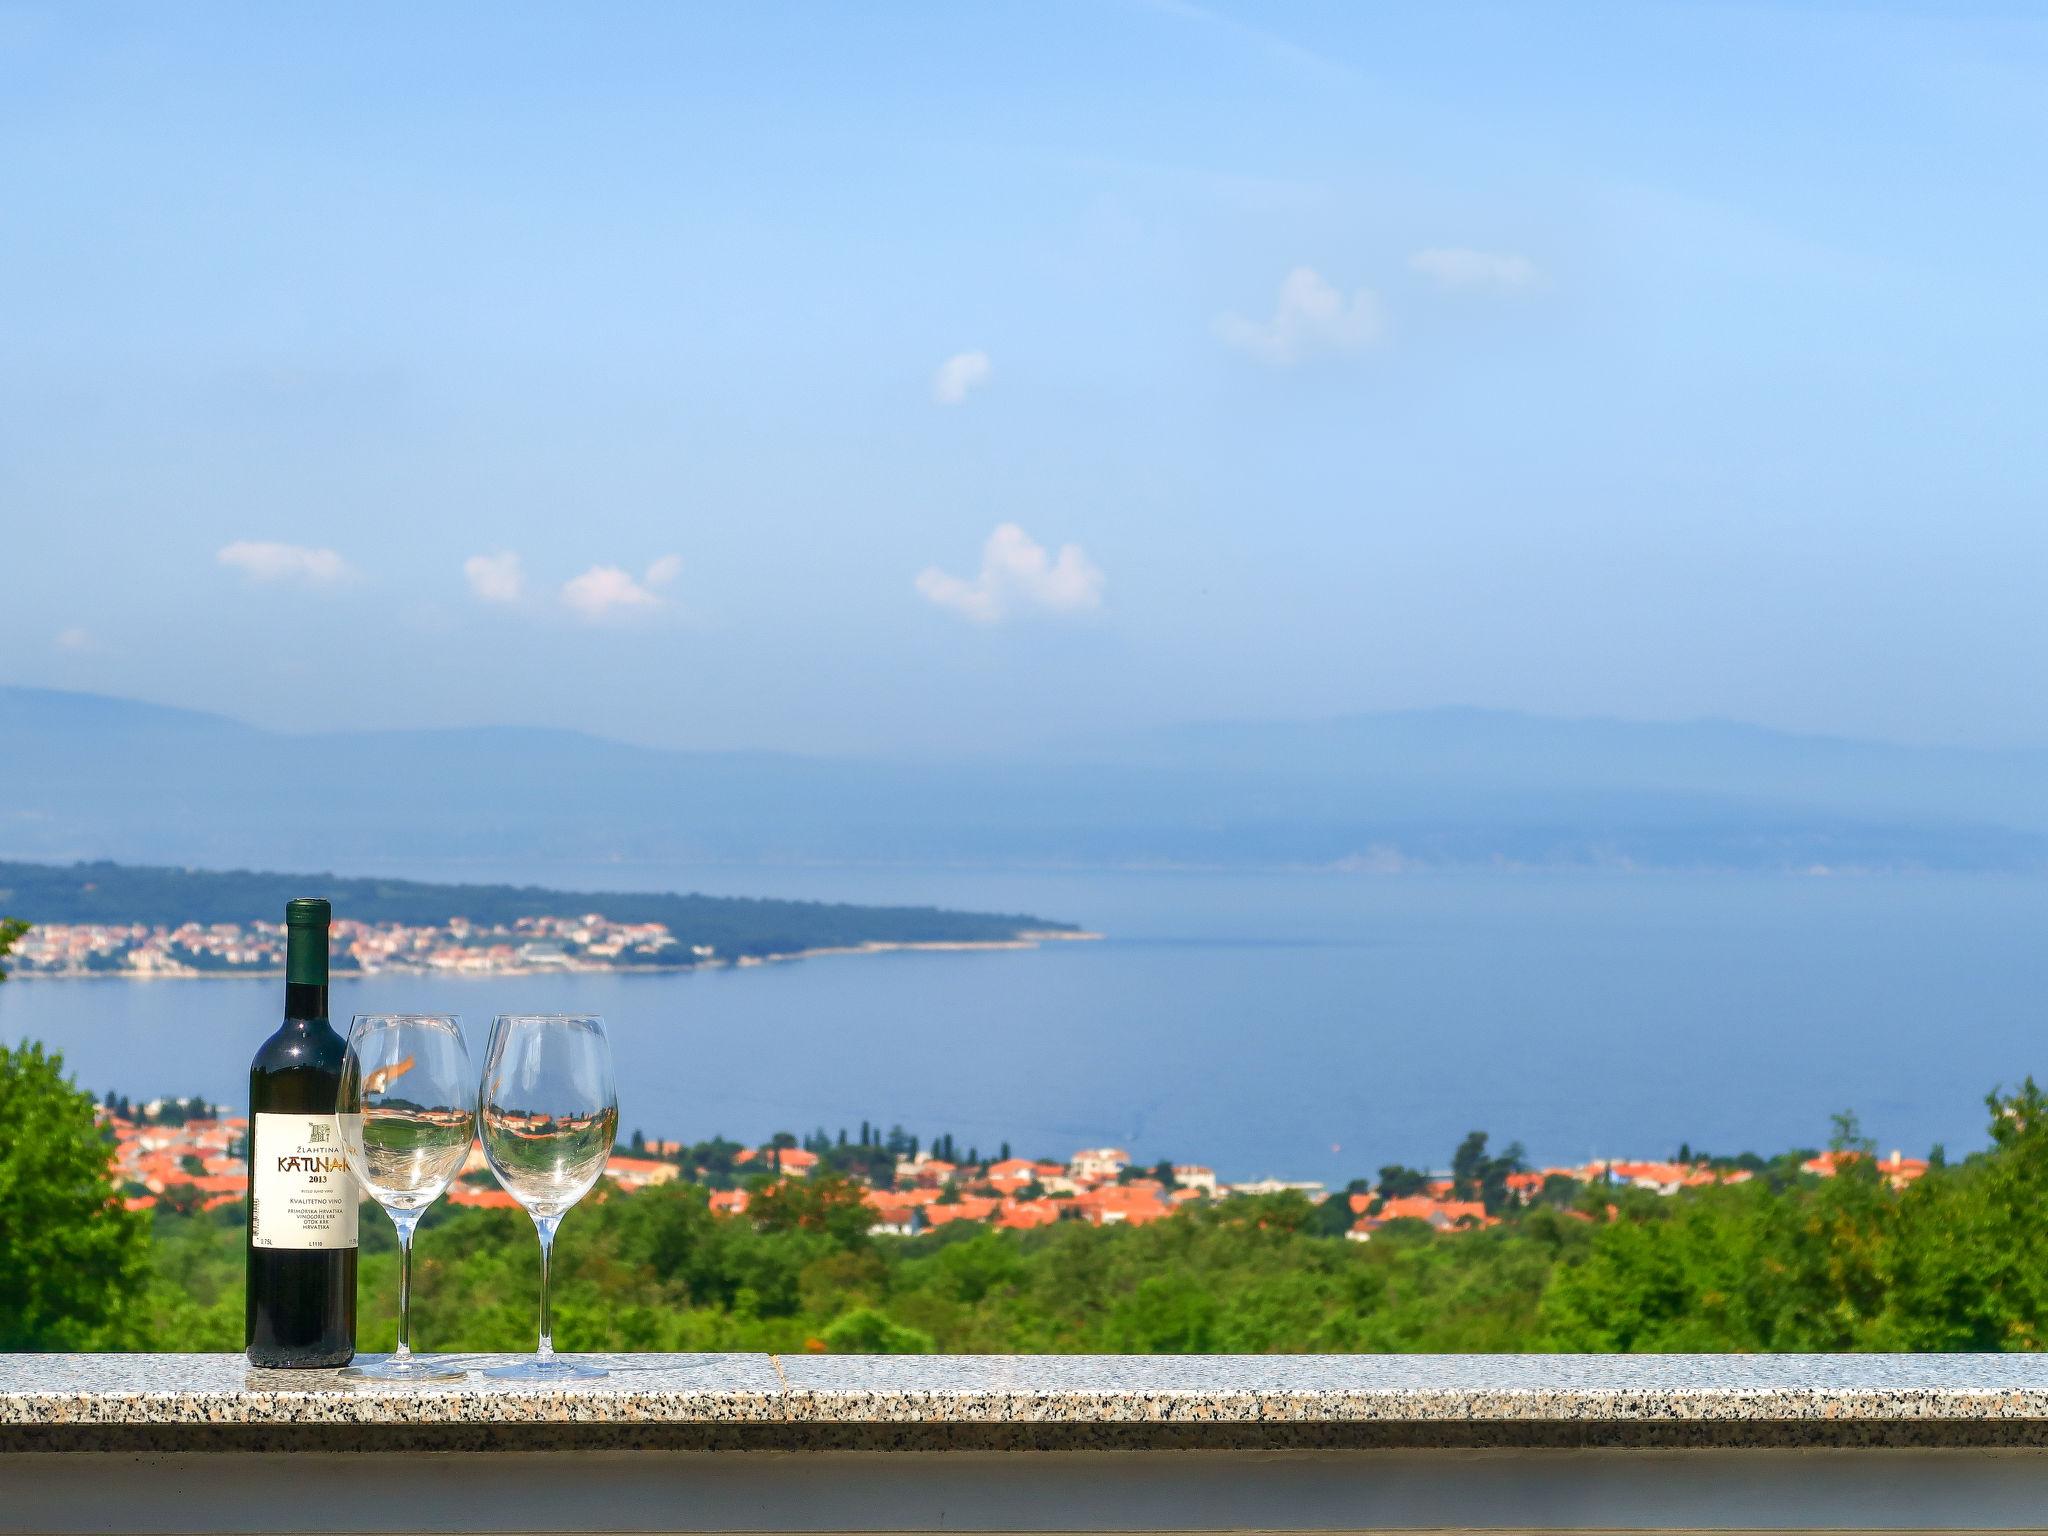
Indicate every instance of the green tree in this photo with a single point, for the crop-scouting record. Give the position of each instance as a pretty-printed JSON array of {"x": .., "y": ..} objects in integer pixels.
[
  {"x": 867, "y": 1162},
  {"x": 182, "y": 1199},
  {"x": 1965, "y": 1271},
  {"x": 1808, "y": 1264},
  {"x": 824, "y": 1203},
  {"x": 1397, "y": 1182},
  {"x": 713, "y": 1161},
  {"x": 11, "y": 929},
  {"x": 864, "y": 1331},
  {"x": 73, "y": 1260},
  {"x": 1475, "y": 1176},
  {"x": 1334, "y": 1216},
  {"x": 1167, "y": 1314}
]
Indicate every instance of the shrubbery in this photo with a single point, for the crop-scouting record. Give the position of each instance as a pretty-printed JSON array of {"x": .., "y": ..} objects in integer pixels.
[{"x": 1957, "y": 1261}]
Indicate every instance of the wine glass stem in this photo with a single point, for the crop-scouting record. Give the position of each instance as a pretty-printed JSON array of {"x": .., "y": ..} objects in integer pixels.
[
  {"x": 546, "y": 1225},
  {"x": 405, "y": 1221}
]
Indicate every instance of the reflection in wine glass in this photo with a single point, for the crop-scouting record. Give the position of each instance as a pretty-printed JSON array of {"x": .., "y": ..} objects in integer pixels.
[
  {"x": 412, "y": 1073},
  {"x": 549, "y": 1117}
]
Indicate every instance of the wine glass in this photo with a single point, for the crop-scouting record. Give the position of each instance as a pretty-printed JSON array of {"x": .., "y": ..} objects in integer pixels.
[
  {"x": 549, "y": 1117},
  {"x": 410, "y": 1073}
]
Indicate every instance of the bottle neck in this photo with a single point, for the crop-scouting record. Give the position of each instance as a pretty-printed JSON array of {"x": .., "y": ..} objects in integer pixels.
[
  {"x": 305, "y": 1001},
  {"x": 305, "y": 970}
]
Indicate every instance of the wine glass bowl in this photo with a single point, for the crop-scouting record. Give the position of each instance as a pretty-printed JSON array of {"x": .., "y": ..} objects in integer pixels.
[
  {"x": 411, "y": 1152},
  {"x": 548, "y": 1113},
  {"x": 547, "y": 1162},
  {"x": 410, "y": 1075}
]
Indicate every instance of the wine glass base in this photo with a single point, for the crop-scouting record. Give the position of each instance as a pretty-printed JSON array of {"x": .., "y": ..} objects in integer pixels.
[
  {"x": 555, "y": 1368},
  {"x": 412, "y": 1368}
]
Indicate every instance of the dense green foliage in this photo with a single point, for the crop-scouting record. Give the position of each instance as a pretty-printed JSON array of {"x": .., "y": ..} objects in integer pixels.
[
  {"x": 731, "y": 925},
  {"x": 73, "y": 1262},
  {"x": 1958, "y": 1260},
  {"x": 655, "y": 1270},
  {"x": 11, "y": 928},
  {"x": 1786, "y": 1261}
]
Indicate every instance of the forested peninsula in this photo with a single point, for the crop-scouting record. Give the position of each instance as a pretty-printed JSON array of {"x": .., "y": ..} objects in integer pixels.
[{"x": 719, "y": 928}]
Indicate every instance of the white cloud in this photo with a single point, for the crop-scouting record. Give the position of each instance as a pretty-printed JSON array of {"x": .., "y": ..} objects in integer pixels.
[
  {"x": 607, "y": 592},
  {"x": 1310, "y": 316},
  {"x": 1017, "y": 573},
  {"x": 1478, "y": 271},
  {"x": 496, "y": 578},
  {"x": 958, "y": 374},
  {"x": 261, "y": 561},
  {"x": 76, "y": 639}
]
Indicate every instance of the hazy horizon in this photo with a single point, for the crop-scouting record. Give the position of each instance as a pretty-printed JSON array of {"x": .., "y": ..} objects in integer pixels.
[{"x": 1469, "y": 789}]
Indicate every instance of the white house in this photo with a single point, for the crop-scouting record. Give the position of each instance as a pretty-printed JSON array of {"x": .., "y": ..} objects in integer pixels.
[
  {"x": 1097, "y": 1163},
  {"x": 1195, "y": 1176}
]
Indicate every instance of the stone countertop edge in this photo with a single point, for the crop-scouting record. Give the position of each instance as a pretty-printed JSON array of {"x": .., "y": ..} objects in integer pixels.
[{"x": 221, "y": 1390}]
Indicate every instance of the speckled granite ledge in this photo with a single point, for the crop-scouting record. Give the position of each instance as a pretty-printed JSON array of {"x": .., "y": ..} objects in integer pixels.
[{"x": 204, "y": 1402}]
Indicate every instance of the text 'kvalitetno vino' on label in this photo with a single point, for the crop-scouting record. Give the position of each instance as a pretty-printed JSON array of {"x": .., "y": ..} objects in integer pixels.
[{"x": 302, "y": 1198}]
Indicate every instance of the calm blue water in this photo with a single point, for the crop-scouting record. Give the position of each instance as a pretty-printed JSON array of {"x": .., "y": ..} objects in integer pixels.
[{"x": 1312, "y": 1026}]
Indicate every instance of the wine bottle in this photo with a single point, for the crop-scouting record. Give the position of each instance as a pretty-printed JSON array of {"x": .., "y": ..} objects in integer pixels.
[{"x": 302, "y": 1198}]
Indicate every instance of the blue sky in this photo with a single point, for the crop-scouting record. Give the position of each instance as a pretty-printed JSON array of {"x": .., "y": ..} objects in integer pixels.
[{"x": 924, "y": 378}]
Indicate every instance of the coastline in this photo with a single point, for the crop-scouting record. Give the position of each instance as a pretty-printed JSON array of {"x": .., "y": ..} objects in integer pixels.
[{"x": 1028, "y": 939}]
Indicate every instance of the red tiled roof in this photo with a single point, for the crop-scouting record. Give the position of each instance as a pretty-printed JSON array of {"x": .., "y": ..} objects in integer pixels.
[
  {"x": 617, "y": 1164},
  {"x": 1435, "y": 1212},
  {"x": 969, "y": 1208},
  {"x": 1127, "y": 1203},
  {"x": 1019, "y": 1215},
  {"x": 1898, "y": 1170},
  {"x": 889, "y": 1210},
  {"x": 946, "y": 1215},
  {"x": 793, "y": 1159},
  {"x": 480, "y": 1197}
]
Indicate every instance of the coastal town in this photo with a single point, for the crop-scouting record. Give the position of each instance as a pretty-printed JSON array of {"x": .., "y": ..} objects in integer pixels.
[
  {"x": 523, "y": 946},
  {"x": 183, "y": 1156}
]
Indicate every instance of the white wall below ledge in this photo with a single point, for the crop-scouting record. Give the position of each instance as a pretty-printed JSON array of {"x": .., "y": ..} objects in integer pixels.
[{"x": 705, "y": 1491}]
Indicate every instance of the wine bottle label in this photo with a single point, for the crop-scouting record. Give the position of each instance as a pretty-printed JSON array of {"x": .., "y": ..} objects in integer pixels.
[{"x": 301, "y": 1194}]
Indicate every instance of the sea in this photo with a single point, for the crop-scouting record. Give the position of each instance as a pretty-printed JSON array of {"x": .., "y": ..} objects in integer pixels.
[{"x": 1293, "y": 1025}]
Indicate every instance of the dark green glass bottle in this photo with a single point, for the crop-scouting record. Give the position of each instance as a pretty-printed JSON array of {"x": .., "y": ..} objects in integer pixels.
[{"x": 302, "y": 1199}]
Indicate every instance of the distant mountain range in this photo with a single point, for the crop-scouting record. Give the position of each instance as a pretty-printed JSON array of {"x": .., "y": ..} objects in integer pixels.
[{"x": 84, "y": 776}]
